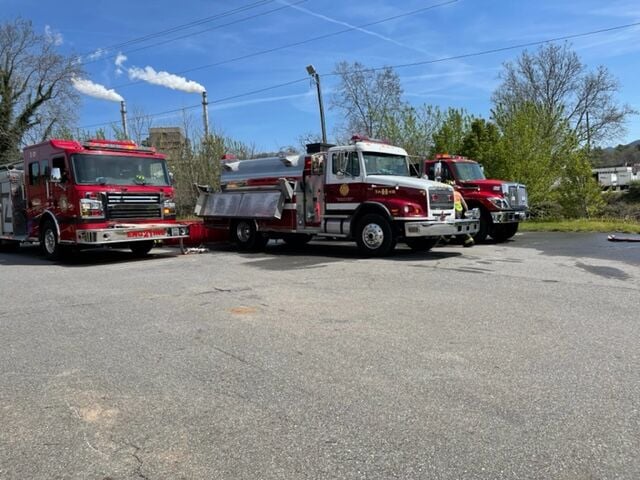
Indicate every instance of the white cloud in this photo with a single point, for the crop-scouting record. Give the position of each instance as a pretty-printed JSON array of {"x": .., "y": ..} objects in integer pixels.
[
  {"x": 53, "y": 36},
  {"x": 99, "y": 53},
  {"x": 120, "y": 59}
]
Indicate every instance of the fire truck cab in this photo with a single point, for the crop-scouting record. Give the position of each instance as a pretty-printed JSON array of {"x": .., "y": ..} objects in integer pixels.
[
  {"x": 362, "y": 191},
  {"x": 502, "y": 205},
  {"x": 97, "y": 193}
]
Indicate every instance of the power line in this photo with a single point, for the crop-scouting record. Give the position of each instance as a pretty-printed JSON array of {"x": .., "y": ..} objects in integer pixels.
[
  {"x": 403, "y": 65},
  {"x": 497, "y": 50},
  {"x": 302, "y": 42},
  {"x": 250, "y": 17},
  {"x": 177, "y": 28}
]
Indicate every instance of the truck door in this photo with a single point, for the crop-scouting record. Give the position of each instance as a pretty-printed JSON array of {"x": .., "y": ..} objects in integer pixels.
[
  {"x": 37, "y": 190},
  {"x": 344, "y": 188}
]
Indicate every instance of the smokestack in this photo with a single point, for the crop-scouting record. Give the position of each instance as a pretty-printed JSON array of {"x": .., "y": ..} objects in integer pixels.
[
  {"x": 123, "y": 112},
  {"x": 205, "y": 114}
]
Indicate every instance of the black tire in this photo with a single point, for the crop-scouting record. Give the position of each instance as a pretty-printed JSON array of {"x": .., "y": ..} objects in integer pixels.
[
  {"x": 49, "y": 241},
  {"x": 503, "y": 232},
  {"x": 297, "y": 239},
  {"x": 421, "y": 244},
  {"x": 244, "y": 233},
  {"x": 374, "y": 236},
  {"x": 484, "y": 228},
  {"x": 140, "y": 249}
]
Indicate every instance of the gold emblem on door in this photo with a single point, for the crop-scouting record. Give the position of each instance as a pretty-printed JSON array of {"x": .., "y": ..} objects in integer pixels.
[{"x": 344, "y": 189}]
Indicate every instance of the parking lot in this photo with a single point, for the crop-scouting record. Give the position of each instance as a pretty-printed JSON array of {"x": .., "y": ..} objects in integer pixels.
[{"x": 503, "y": 361}]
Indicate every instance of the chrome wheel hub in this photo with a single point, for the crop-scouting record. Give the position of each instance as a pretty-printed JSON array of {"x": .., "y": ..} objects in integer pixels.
[{"x": 372, "y": 236}]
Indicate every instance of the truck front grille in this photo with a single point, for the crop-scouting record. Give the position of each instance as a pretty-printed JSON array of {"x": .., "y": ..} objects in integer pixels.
[
  {"x": 440, "y": 198},
  {"x": 133, "y": 206},
  {"x": 517, "y": 196}
]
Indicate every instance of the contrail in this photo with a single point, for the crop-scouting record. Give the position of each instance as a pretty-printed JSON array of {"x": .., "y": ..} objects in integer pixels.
[
  {"x": 95, "y": 90},
  {"x": 165, "y": 79},
  {"x": 353, "y": 27}
]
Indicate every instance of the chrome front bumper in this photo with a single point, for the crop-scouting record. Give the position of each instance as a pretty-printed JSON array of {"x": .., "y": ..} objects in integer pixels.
[
  {"x": 508, "y": 216},
  {"x": 130, "y": 232},
  {"x": 436, "y": 229}
]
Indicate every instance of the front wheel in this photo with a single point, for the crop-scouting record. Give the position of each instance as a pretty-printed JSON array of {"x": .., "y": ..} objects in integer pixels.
[
  {"x": 374, "y": 236},
  {"x": 49, "y": 241},
  {"x": 421, "y": 244},
  {"x": 246, "y": 235},
  {"x": 485, "y": 225},
  {"x": 504, "y": 231},
  {"x": 140, "y": 249}
]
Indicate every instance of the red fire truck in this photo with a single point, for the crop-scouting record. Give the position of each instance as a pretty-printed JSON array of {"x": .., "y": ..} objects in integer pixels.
[
  {"x": 98, "y": 193},
  {"x": 502, "y": 204},
  {"x": 362, "y": 191}
]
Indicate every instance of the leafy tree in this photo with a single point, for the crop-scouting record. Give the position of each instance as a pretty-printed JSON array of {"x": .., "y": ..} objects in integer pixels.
[
  {"x": 556, "y": 81},
  {"x": 480, "y": 143},
  {"x": 413, "y": 128},
  {"x": 525, "y": 154},
  {"x": 454, "y": 128},
  {"x": 36, "y": 93},
  {"x": 366, "y": 97},
  {"x": 578, "y": 193}
]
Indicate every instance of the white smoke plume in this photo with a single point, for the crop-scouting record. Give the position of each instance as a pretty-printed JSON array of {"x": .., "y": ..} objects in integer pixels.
[
  {"x": 95, "y": 90},
  {"x": 165, "y": 79}
]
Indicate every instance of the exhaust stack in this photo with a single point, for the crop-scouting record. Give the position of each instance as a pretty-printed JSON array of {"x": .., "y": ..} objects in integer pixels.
[{"x": 123, "y": 113}]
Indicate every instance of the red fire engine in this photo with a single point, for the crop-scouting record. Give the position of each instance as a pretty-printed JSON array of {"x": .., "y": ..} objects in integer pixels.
[
  {"x": 362, "y": 191},
  {"x": 97, "y": 193},
  {"x": 502, "y": 204}
]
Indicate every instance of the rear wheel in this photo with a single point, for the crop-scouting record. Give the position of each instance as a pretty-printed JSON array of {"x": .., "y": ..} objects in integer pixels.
[
  {"x": 140, "y": 249},
  {"x": 505, "y": 231},
  {"x": 374, "y": 236},
  {"x": 246, "y": 235},
  {"x": 49, "y": 241},
  {"x": 421, "y": 244}
]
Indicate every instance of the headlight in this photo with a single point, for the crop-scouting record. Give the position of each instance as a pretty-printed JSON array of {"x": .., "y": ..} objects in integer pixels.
[
  {"x": 500, "y": 202},
  {"x": 168, "y": 208},
  {"x": 90, "y": 208}
]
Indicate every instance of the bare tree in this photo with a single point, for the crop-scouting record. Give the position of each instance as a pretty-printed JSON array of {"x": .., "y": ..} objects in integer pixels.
[
  {"x": 556, "y": 81},
  {"x": 366, "y": 97},
  {"x": 139, "y": 122},
  {"x": 36, "y": 94}
]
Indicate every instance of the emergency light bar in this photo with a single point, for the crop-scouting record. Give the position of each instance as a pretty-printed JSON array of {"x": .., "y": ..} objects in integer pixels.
[
  {"x": 364, "y": 138},
  {"x": 126, "y": 145}
]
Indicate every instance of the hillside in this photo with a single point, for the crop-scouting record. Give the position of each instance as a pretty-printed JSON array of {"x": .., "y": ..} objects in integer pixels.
[{"x": 614, "y": 156}]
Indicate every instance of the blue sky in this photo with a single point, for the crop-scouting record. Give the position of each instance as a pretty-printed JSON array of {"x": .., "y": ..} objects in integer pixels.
[{"x": 278, "y": 117}]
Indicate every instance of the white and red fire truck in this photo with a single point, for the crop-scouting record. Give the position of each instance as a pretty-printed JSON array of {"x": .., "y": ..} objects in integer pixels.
[
  {"x": 98, "y": 193},
  {"x": 362, "y": 191}
]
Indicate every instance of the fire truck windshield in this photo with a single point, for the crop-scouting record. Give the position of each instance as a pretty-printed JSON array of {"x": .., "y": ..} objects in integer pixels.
[
  {"x": 466, "y": 171},
  {"x": 91, "y": 169},
  {"x": 376, "y": 163}
]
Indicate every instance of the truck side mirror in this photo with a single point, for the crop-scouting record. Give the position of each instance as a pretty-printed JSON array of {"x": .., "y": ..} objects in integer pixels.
[
  {"x": 437, "y": 171},
  {"x": 56, "y": 175}
]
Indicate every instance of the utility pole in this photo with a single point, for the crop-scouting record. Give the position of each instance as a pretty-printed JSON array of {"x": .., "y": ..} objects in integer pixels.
[{"x": 316, "y": 78}]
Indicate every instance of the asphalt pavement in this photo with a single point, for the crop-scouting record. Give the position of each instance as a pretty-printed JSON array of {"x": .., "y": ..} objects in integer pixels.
[{"x": 518, "y": 360}]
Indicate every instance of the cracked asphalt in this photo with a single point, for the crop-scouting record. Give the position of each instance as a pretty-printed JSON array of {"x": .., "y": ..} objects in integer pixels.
[{"x": 506, "y": 361}]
